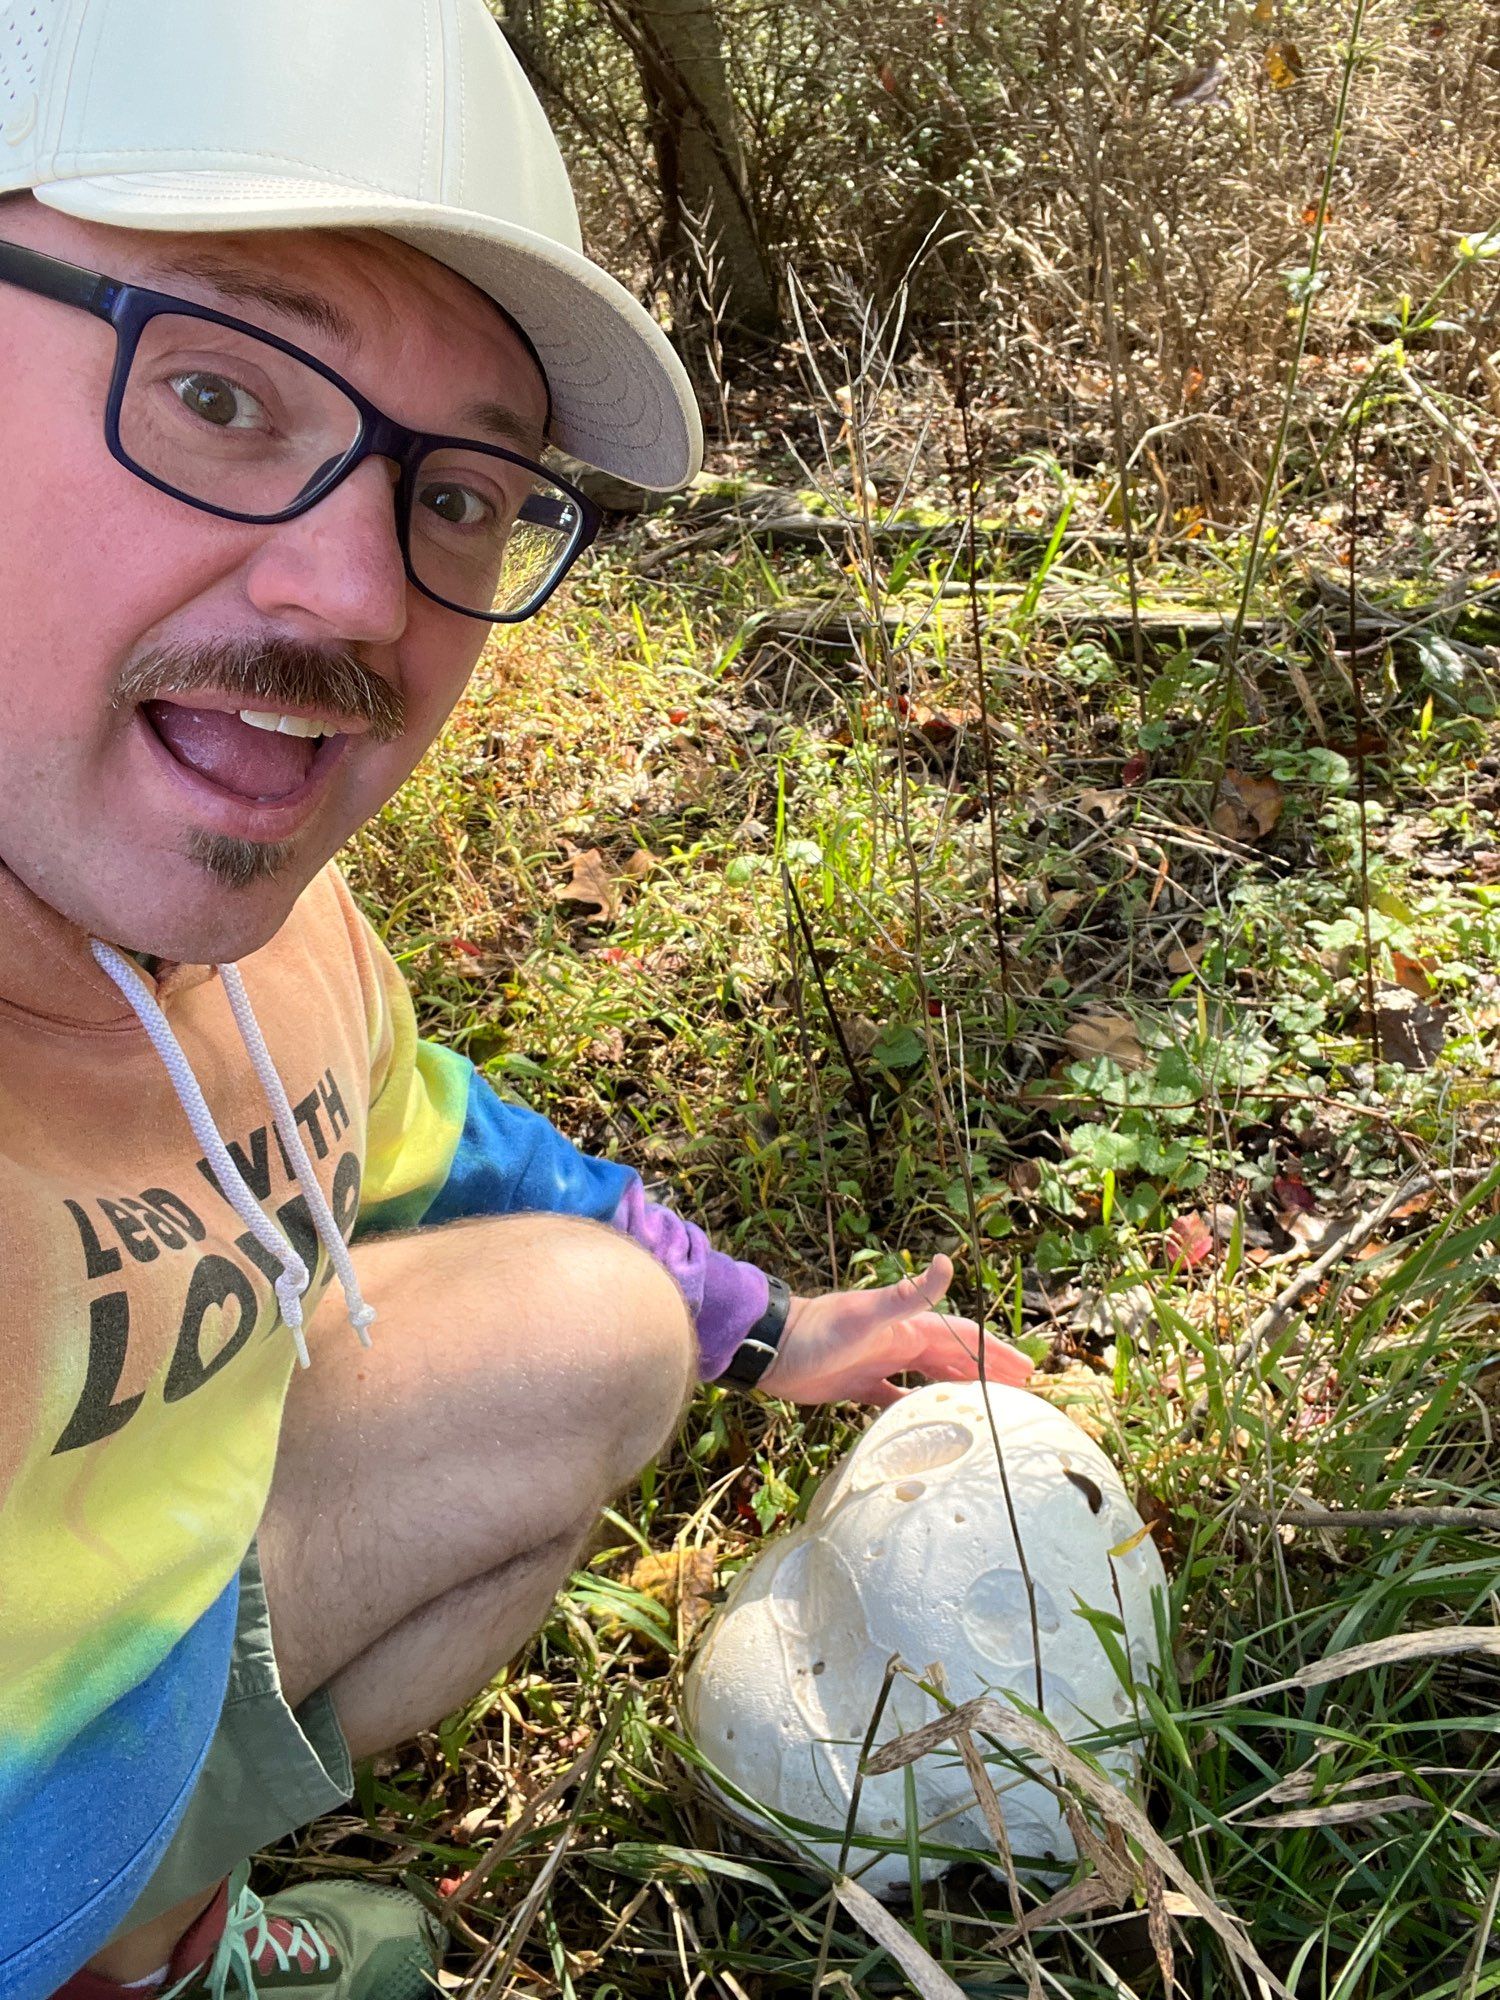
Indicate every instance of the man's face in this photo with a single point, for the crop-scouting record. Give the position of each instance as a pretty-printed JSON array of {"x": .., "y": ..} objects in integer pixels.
[{"x": 166, "y": 825}]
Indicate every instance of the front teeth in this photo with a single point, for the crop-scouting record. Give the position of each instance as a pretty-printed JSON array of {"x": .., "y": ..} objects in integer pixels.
[{"x": 285, "y": 725}]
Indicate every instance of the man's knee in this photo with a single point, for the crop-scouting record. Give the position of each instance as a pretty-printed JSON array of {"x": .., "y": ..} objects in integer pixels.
[
  {"x": 623, "y": 1335},
  {"x": 635, "y": 1336}
]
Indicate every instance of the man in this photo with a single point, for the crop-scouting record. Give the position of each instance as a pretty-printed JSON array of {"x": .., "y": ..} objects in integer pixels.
[{"x": 291, "y": 303}]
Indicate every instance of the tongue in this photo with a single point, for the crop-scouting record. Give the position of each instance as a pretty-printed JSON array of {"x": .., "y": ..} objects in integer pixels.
[{"x": 230, "y": 753}]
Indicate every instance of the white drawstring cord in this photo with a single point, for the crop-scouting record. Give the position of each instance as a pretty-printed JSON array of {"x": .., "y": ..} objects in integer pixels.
[
  {"x": 295, "y": 1277},
  {"x": 329, "y": 1233}
]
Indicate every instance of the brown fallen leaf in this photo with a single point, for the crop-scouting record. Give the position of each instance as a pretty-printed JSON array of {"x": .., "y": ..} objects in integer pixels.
[
  {"x": 1411, "y": 1031},
  {"x": 680, "y": 1580},
  {"x": 1108, "y": 804},
  {"x": 1283, "y": 64},
  {"x": 1248, "y": 807},
  {"x": 591, "y": 881},
  {"x": 1181, "y": 962},
  {"x": 1081, "y": 1393},
  {"x": 1190, "y": 1240},
  {"x": 640, "y": 864},
  {"x": 1111, "y": 1035},
  {"x": 1290, "y": 1191},
  {"x": 1412, "y": 974}
]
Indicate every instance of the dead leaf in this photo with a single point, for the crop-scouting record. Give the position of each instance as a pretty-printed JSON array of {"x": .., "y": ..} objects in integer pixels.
[
  {"x": 1108, "y": 805},
  {"x": 1134, "y": 768},
  {"x": 640, "y": 864},
  {"x": 1290, "y": 1191},
  {"x": 1081, "y": 1393},
  {"x": 1111, "y": 1035},
  {"x": 1190, "y": 1240},
  {"x": 1411, "y": 1031},
  {"x": 1283, "y": 64},
  {"x": 590, "y": 882},
  {"x": 1412, "y": 973},
  {"x": 1248, "y": 807},
  {"x": 1180, "y": 961},
  {"x": 1418, "y": 1205},
  {"x": 984, "y": 1713},
  {"x": 920, "y": 1967},
  {"x": 680, "y": 1580}
]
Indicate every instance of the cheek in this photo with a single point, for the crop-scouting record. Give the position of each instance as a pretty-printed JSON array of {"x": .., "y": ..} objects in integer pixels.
[{"x": 438, "y": 656}]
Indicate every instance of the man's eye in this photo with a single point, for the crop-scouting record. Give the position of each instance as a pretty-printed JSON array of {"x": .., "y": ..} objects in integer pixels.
[
  {"x": 458, "y": 506},
  {"x": 218, "y": 401}
]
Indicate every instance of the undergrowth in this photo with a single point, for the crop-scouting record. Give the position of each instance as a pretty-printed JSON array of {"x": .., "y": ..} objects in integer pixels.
[{"x": 729, "y": 909}]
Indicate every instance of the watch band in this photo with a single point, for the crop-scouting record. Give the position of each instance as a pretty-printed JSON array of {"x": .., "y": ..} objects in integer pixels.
[{"x": 762, "y": 1343}]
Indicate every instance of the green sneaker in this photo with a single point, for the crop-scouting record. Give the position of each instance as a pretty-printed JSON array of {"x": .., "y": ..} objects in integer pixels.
[{"x": 334, "y": 1940}]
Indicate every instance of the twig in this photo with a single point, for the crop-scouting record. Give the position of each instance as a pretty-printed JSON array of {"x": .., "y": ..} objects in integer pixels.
[
  {"x": 1370, "y": 1517},
  {"x": 1356, "y": 688},
  {"x": 892, "y": 1666},
  {"x": 981, "y": 689},
  {"x": 1268, "y": 1323},
  {"x": 859, "y": 1088},
  {"x": 508, "y": 1947},
  {"x": 804, "y": 1039}
]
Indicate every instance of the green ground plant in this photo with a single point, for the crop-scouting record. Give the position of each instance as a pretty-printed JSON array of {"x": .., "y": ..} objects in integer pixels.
[
  {"x": 1137, "y": 1099},
  {"x": 928, "y": 838}
]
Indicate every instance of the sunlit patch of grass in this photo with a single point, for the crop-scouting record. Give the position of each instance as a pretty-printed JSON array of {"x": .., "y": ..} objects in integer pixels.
[{"x": 1348, "y": 1826}]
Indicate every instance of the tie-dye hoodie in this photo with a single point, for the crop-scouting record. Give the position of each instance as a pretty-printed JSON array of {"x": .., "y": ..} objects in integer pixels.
[{"x": 143, "y": 1361}]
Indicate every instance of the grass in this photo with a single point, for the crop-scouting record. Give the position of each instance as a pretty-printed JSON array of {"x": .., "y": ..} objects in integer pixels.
[{"x": 1121, "y": 1063}]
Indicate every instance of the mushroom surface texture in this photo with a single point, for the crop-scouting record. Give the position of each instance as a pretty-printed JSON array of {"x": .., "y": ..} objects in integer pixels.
[{"x": 908, "y": 1549}]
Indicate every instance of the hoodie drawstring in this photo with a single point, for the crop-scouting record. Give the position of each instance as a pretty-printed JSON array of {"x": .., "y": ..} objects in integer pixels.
[
  {"x": 295, "y": 1277},
  {"x": 329, "y": 1234}
]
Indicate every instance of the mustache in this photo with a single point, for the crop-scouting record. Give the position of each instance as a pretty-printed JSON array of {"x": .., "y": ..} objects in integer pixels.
[{"x": 269, "y": 674}]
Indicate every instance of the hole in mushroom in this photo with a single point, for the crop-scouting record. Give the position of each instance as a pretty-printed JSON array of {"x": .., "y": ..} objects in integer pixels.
[
  {"x": 910, "y": 1489},
  {"x": 919, "y": 1448},
  {"x": 960, "y": 1518}
]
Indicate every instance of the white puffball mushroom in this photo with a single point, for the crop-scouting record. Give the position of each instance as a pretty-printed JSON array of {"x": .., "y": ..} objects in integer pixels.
[{"x": 908, "y": 1549}]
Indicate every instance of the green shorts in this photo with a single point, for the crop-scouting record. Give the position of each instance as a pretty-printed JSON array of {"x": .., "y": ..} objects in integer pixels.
[{"x": 270, "y": 1768}]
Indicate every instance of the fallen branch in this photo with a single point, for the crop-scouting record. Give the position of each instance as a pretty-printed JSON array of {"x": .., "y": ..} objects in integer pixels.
[
  {"x": 1269, "y": 1322},
  {"x": 1372, "y": 1517}
]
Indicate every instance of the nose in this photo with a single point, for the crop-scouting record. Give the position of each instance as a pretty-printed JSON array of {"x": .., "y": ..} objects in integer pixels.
[{"x": 336, "y": 572}]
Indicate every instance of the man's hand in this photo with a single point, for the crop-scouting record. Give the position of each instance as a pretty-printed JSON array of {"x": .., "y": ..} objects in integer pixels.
[{"x": 845, "y": 1346}]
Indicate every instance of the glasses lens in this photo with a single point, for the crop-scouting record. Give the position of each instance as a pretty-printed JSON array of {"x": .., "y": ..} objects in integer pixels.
[
  {"x": 222, "y": 417},
  {"x": 487, "y": 535}
]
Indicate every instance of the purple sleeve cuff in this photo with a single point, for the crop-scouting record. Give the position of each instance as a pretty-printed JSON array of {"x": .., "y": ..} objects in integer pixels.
[{"x": 726, "y": 1298}]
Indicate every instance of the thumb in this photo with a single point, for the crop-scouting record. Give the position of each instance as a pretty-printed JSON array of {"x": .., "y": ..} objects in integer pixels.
[{"x": 920, "y": 1293}]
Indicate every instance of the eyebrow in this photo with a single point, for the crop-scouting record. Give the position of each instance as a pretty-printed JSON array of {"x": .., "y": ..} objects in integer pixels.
[
  {"x": 232, "y": 281},
  {"x": 252, "y": 288},
  {"x": 502, "y": 423}
]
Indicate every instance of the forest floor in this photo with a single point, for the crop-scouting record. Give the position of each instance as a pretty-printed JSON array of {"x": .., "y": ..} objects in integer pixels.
[{"x": 1150, "y": 967}]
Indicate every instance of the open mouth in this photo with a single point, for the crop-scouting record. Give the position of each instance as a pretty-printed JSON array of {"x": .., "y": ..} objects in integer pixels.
[{"x": 252, "y": 756}]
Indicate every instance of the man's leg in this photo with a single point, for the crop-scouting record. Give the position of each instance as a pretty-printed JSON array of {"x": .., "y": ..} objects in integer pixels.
[{"x": 431, "y": 1496}]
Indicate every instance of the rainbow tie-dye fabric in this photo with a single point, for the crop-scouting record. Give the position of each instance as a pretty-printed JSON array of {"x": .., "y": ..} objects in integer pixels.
[{"x": 144, "y": 1365}]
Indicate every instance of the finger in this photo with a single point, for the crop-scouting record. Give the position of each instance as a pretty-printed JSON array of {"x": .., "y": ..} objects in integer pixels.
[
  {"x": 938, "y": 1327},
  {"x": 954, "y": 1361},
  {"x": 884, "y": 1394},
  {"x": 912, "y": 1295}
]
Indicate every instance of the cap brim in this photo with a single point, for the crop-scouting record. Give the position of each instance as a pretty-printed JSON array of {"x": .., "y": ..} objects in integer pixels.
[{"x": 621, "y": 399}]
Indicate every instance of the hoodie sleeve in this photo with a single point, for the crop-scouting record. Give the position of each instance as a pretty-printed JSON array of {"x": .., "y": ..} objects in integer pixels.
[{"x": 442, "y": 1144}]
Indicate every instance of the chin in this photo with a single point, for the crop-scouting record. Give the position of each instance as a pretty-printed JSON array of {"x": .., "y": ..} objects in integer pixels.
[{"x": 233, "y": 898}]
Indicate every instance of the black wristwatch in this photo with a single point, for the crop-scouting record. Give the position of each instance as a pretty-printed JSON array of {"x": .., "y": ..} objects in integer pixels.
[{"x": 762, "y": 1343}]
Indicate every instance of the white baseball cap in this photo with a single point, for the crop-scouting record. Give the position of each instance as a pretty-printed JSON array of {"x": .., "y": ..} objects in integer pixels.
[{"x": 408, "y": 116}]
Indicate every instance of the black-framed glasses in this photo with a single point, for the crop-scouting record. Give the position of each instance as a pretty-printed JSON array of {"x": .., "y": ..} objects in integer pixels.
[{"x": 241, "y": 424}]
